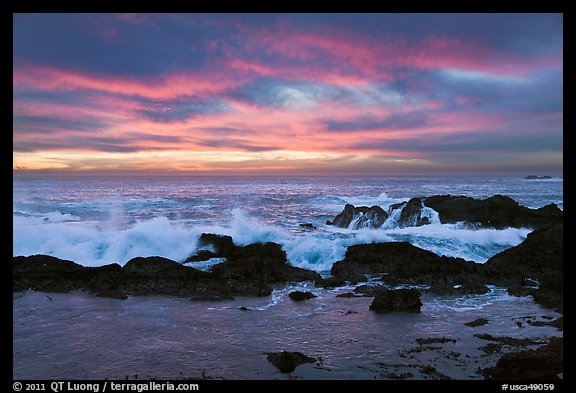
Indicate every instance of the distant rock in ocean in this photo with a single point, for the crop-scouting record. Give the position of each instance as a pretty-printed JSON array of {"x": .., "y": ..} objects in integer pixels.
[
  {"x": 496, "y": 212},
  {"x": 534, "y": 177}
]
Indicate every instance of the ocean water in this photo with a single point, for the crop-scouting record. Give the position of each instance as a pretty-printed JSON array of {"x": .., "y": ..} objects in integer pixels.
[{"x": 100, "y": 220}]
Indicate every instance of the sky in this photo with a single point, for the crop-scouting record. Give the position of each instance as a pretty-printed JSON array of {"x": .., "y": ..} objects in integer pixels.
[{"x": 288, "y": 93}]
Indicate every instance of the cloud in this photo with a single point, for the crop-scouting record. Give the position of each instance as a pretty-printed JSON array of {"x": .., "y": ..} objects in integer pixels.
[{"x": 342, "y": 90}]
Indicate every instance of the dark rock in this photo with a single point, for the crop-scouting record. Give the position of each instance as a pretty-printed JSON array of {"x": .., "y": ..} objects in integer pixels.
[
  {"x": 299, "y": 296},
  {"x": 438, "y": 340},
  {"x": 202, "y": 255},
  {"x": 491, "y": 348},
  {"x": 543, "y": 364},
  {"x": 473, "y": 289},
  {"x": 431, "y": 371},
  {"x": 248, "y": 271},
  {"x": 330, "y": 282},
  {"x": 514, "y": 342},
  {"x": 222, "y": 244},
  {"x": 402, "y": 300},
  {"x": 360, "y": 217},
  {"x": 369, "y": 290},
  {"x": 411, "y": 214},
  {"x": 477, "y": 322},
  {"x": 46, "y": 273},
  {"x": 497, "y": 212},
  {"x": 287, "y": 362},
  {"x": 261, "y": 264},
  {"x": 540, "y": 256},
  {"x": 308, "y": 225},
  {"x": 156, "y": 266},
  {"x": 405, "y": 263},
  {"x": 112, "y": 294},
  {"x": 535, "y": 177},
  {"x": 244, "y": 308}
]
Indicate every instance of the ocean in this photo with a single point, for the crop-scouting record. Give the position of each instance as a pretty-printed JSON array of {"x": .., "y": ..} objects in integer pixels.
[{"x": 98, "y": 220}]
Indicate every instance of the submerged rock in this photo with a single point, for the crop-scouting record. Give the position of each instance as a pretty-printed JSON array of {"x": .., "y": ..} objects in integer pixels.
[
  {"x": 477, "y": 322},
  {"x": 287, "y": 362},
  {"x": 403, "y": 300}
]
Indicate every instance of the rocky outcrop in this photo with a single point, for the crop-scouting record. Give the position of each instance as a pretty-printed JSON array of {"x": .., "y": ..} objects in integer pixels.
[
  {"x": 412, "y": 213},
  {"x": 360, "y": 217},
  {"x": 497, "y": 212},
  {"x": 287, "y": 362},
  {"x": 538, "y": 259},
  {"x": 404, "y": 263},
  {"x": 543, "y": 364},
  {"x": 401, "y": 300},
  {"x": 299, "y": 296},
  {"x": 248, "y": 271},
  {"x": 221, "y": 246},
  {"x": 262, "y": 265}
]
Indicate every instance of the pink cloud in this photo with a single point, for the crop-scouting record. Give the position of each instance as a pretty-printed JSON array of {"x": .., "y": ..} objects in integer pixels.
[{"x": 162, "y": 87}]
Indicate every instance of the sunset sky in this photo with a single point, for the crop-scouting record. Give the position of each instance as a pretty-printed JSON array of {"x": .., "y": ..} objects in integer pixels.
[{"x": 288, "y": 93}]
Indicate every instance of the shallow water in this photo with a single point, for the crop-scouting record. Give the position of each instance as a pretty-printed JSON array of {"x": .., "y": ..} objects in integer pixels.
[{"x": 79, "y": 336}]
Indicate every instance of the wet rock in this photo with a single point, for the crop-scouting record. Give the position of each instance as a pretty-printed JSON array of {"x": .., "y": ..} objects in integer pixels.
[
  {"x": 261, "y": 263},
  {"x": 543, "y": 364},
  {"x": 491, "y": 348},
  {"x": 299, "y": 296},
  {"x": 48, "y": 274},
  {"x": 369, "y": 290},
  {"x": 200, "y": 256},
  {"x": 248, "y": 271},
  {"x": 477, "y": 322},
  {"x": 360, "y": 217},
  {"x": 432, "y": 372},
  {"x": 287, "y": 362},
  {"x": 498, "y": 212},
  {"x": 222, "y": 244},
  {"x": 540, "y": 257},
  {"x": 434, "y": 340},
  {"x": 398, "y": 300},
  {"x": 330, "y": 282},
  {"x": 411, "y": 213},
  {"x": 511, "y": 341},
  {"x": 112, "y": 294},
  {"x": 308, "y": 225},
  {"x": 404, "y": 263}
]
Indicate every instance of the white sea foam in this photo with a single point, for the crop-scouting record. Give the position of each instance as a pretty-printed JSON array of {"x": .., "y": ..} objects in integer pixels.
[{"x": 90, "y": 244}]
